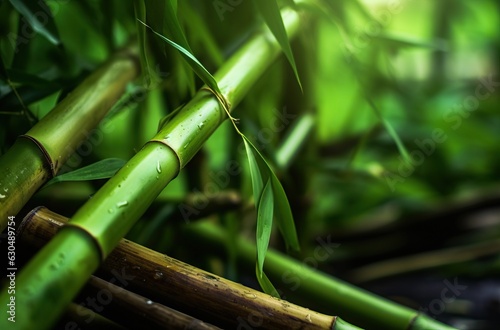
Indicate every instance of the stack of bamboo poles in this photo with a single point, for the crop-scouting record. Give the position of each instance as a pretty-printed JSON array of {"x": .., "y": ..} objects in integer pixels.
[{"x": 49, "y": 282}]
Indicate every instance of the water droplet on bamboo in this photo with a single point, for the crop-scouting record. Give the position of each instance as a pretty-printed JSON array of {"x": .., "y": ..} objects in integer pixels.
[
  {"x": 2, "y": 196},
  {"x": 136, "y": 268},
  {"x": 158, "y": 275},
  {"x": 249, "y": 295},
  {"x": 166, "y": 137},
  {"x": 149, "y": 302},
  {"x": 200, "y": 125},
  {"x": 60, "y": 261},
  {"x": 308, "y": 318},
  {"x": 122, "y": 204},
  {"x": 110, "y": 211},
  {"x": 158, "y": 167}
]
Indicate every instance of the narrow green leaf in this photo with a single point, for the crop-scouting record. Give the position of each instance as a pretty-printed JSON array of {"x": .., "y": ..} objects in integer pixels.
[
  {"x": 197, "y": 67},
  {"x": 399, "y": 41},
  {"x": 255, "y": 173},
  {"x": 162, "y": 17},
  {"x": 392, "y": 132},
  {"x": 201, "y": 31},
  {"x": 283, "y": 214},
  {"x": 140, "y": 14},
  {"x": 19, "y": 77},
  {"x": 266, "y": 284},
  {"x": 32, "y": 11},
  {"x": 103, "y": 169},
  {"x": 270, "y": 11},
  {"x": 265, "y": 211},
  {"x": 174, "y": 26},
  {"x": 282, "y": 211}
]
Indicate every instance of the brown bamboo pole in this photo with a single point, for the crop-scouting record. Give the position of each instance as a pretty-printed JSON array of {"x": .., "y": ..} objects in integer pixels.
[
  {"x": 137, "y": 312},
  {"x": 158, "y": 275},
  {"x": 76, "y": 318}
]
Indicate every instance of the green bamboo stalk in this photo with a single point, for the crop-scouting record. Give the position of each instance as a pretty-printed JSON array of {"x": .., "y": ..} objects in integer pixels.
[
  {"x": 49, "y": 281},
  {"x": 353, "y": 304},
  {"x": 39, "y": 154}
]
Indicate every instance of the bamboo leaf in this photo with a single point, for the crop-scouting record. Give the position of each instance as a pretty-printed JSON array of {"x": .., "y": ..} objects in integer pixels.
[
  {"x": 197, "y": 67},
  {"x": 265, "y": 211},
  {"x": 174, "y": 26},
  {"x": 399, "y": 41},
  {"x": 31, "y": 11},
  {"x": 392, "y": 132},
  {"x": 140, "y": 14},
  {"x": 272, "y": 16},
  {"x": 266, "y": 284},
  {"x": 284, "y": 216},
  {"x": 255, "y": 173},
  {"x": 103, "y": 169},
  {"x": 260, "y": 171}
]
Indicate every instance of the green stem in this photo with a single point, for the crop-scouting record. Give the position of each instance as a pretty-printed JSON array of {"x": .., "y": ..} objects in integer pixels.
[
  {"x": 356, "y": 305},
  {"x": 38, "y": 155}
]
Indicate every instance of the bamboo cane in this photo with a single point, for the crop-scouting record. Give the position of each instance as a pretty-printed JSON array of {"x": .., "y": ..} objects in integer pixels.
[
  {"x": 53, "y": 277},
  {"x": 354, "y": 304},
  {"x": 39, "y": 154},
  {"x": 158, "y": 275},
  {"x": 134, "y": 311},
  {"x": 75, "y": 318}
]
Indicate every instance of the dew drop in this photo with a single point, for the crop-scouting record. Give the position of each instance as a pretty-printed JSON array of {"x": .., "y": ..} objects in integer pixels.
[
  {"x": 149, "y": 302},
  {"x": 110, "y": 211},
  {"x": 249, "y": 295},
  {"x": 166, "y": 137},
  {"x": 2, "y": 196},
  {"x": 122, "y": 204},
  {"x": 308, "y": 318},
  {"x": 158, "y": 167},
  {"x": 136, "y": 268},
  {"x": 200, "y": 125},
  {"x": 158, "y": 275}
]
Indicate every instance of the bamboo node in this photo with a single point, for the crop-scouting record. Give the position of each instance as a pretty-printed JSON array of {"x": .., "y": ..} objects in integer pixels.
[{"x": 52, "y": 165}]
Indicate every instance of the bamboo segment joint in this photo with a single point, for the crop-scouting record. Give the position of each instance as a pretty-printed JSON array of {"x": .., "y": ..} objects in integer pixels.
[
  {"x": 88, "y": 234},
  {"x": 222, "y": 100},
  {"x": 179, "y": 159},
  {"x": 52, "y": 165}
]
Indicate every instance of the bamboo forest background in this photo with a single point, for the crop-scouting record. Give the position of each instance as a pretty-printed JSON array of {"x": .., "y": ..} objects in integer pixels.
[{"x": 379, "y": 118}]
